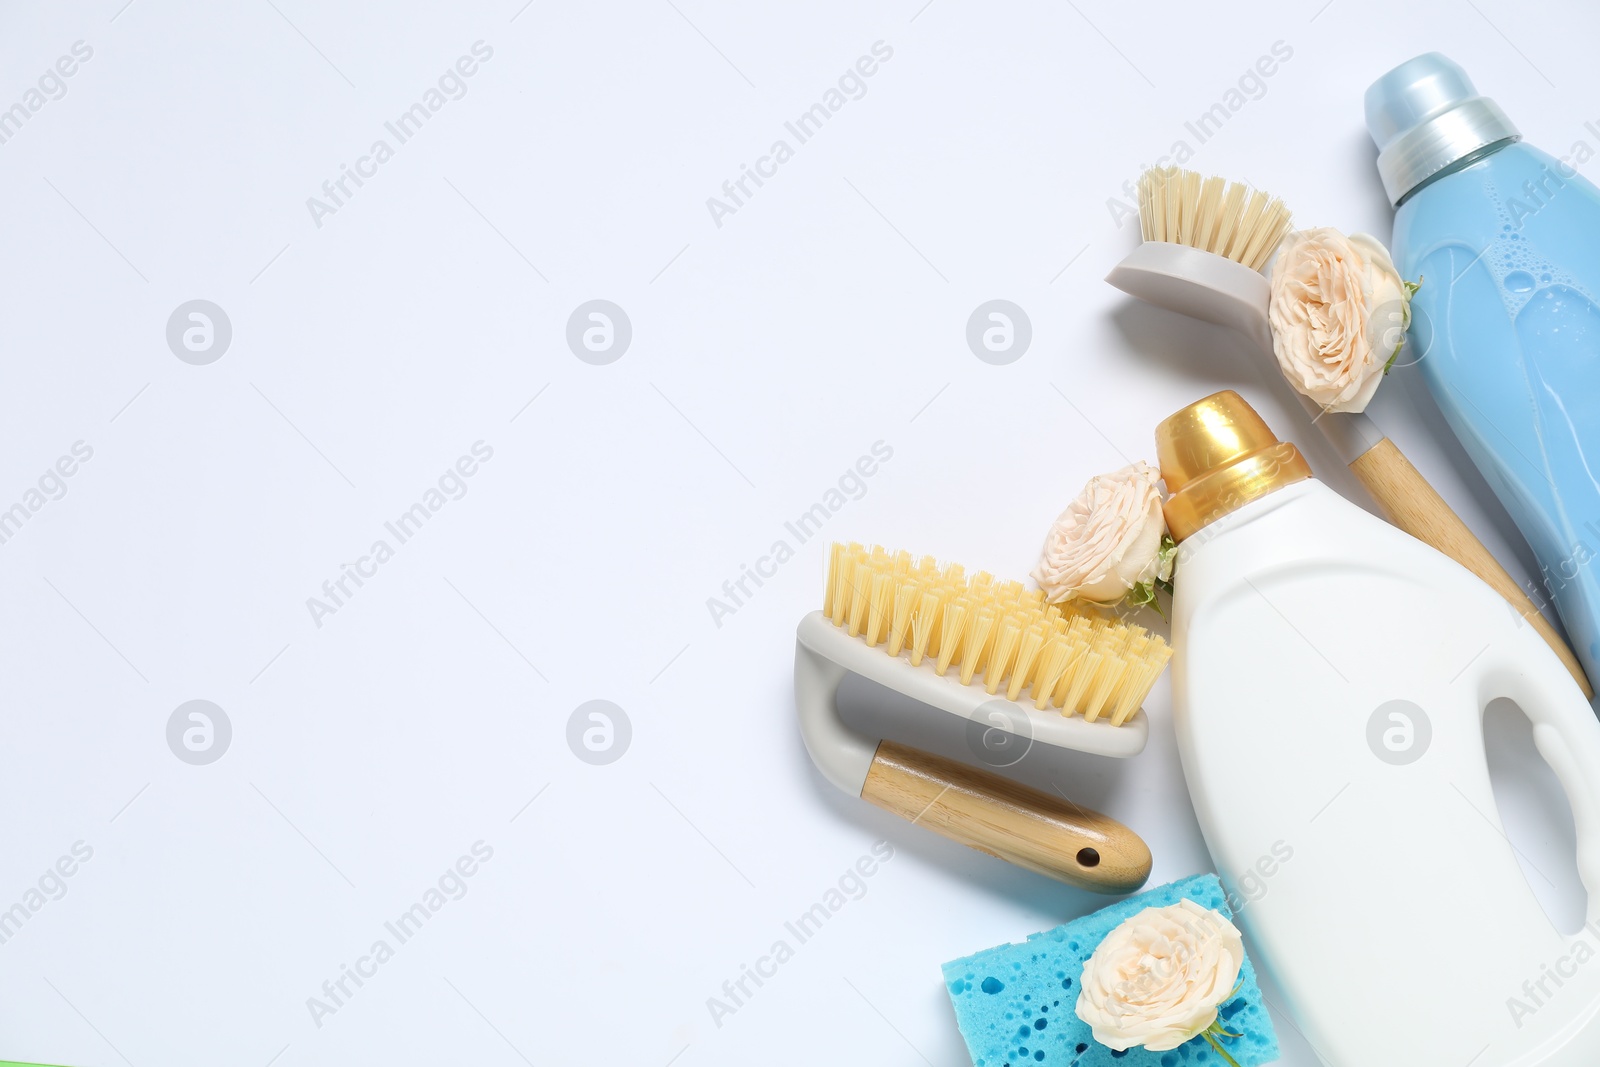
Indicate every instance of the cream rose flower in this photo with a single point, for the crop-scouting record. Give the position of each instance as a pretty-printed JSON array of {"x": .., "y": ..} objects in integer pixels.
[
  {"x": 1158, "y": 979},
  {"x": 1339, "y": 311},
  {"x": 1107, "y": 541}
]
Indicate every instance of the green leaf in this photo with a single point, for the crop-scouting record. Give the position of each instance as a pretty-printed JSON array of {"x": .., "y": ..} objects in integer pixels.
[
  {"x": 1167, "y": 557},
  {"x": 1144, "y": 595},
  {"x": 1412, "y": 287}
]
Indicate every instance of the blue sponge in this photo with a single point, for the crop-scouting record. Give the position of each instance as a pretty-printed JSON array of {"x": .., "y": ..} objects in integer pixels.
[{"x": 1014, "y": 1003}]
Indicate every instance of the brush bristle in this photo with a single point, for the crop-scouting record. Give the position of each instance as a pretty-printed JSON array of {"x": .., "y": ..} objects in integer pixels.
[
  {"x": 993, "y": 633},
  {"x": 1184, "y": 208}
]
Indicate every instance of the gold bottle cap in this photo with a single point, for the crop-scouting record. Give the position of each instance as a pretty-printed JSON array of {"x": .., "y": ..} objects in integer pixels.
[{"x": 1217, "y": 455}]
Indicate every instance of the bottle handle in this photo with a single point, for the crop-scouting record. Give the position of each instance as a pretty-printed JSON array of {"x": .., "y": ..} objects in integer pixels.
[{"x": 1567, "y": 735}]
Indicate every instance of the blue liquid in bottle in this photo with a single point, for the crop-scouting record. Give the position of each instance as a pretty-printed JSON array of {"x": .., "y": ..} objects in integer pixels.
[{"x": 1506, "y": 326}]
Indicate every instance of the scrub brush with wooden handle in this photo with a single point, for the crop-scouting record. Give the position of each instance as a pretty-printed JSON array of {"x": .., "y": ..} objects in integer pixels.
[{"x": 1019, "y": 671}]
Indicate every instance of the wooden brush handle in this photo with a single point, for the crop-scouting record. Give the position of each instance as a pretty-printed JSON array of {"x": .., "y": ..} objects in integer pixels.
[
  {"x": 1046, "y": 834},
  {"x": 1412, "y": 504}
]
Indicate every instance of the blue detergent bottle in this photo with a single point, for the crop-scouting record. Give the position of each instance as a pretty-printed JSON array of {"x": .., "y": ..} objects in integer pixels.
[{"x": 1506, "y": 326}]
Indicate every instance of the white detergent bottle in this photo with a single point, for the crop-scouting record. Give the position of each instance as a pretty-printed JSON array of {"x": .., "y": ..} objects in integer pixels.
[{"x": 1329, "y": 683}]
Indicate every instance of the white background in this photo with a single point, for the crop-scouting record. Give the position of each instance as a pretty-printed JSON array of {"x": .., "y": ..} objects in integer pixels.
[{"x": 369, "y": 353}]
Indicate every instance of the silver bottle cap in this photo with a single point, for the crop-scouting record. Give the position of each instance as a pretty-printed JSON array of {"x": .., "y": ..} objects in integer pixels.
[{"x": 1424, "y": 115}]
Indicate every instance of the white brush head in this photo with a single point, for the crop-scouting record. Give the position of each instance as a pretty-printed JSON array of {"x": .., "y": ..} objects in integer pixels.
[
  {"x": 825, "y": 652},
  {"x": 1205, "y": 242},
  {"x": 1200, "y": 285}
]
